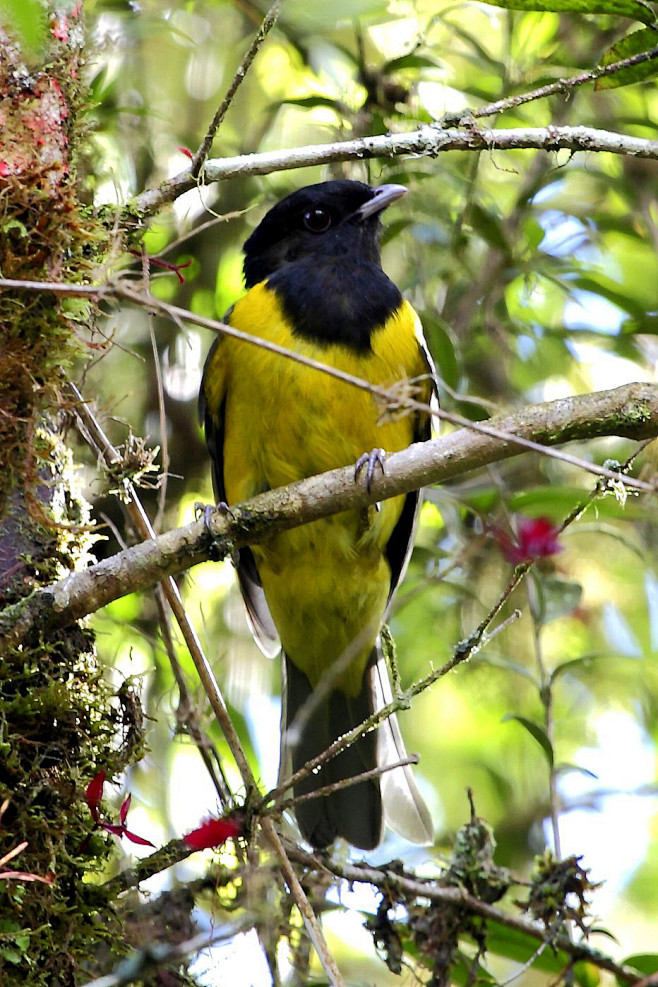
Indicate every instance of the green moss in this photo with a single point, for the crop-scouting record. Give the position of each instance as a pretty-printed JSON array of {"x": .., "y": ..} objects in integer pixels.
[{"x": 60, "y": 722}]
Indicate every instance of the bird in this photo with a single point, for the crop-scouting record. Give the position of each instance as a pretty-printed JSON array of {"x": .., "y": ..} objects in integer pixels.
[{"x": 321, "y": 592}]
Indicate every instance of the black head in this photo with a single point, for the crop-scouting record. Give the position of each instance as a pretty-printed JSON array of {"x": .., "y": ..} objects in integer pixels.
[{"x": 331, "y": 218}]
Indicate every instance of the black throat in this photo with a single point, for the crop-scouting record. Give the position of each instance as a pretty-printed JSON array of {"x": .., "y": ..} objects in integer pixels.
[{"x": 335, "y": 299}]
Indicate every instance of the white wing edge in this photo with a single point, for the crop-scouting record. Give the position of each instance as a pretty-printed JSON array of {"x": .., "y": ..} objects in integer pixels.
[{"x": 405, "y": 810}]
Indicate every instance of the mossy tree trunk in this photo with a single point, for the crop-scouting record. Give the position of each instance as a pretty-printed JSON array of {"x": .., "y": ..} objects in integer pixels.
[{"x": 57, "y": 719}]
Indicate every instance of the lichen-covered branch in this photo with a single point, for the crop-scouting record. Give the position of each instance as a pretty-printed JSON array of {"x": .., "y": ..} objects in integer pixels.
[{"x": 428, "y": 141}]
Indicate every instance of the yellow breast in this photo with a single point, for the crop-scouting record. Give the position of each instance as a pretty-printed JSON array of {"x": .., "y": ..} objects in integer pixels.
[{"x": 326, "y": 583}]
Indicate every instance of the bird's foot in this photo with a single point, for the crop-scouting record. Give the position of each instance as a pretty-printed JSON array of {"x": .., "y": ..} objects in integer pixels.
[
  {"x": 206, "y": 511},
  {"x": 371, "y": 460}
]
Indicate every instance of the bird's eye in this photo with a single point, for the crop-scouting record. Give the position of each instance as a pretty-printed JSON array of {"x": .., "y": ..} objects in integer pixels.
[{"x": 317, "y": 220}]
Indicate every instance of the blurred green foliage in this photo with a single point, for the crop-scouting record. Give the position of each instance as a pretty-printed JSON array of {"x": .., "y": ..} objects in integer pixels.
[{"x": 535, "y": 276}]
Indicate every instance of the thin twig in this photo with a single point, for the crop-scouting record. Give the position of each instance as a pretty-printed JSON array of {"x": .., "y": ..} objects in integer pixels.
[
  {"x": 559, "y": 87},
  {"x": 303, "y": 904},
  {"x": 462, "y": 652},
  {"x": 336, "y": 786},
  {"x": 94, "y": 434},
  {"x": 185, "y": 714},
  {"x": 268, "y": 23},
  {"x": 143, "y": 961},
  {"x": 196, "y": 230},
  {"x": 385, "y": 878}
]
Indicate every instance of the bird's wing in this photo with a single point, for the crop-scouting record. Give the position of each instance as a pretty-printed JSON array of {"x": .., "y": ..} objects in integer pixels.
[{"x": 212, "y": 404}]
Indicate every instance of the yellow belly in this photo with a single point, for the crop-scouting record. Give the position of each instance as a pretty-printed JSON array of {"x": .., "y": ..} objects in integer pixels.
[{"x": 326, "y": 583}]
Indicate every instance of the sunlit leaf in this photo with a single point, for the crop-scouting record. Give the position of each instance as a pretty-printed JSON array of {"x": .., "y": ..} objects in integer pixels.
[
  {"x": 481, "y": 52},
  {"x": 632, "y": 44},
  {"x": 636, "y": 9},
  {"x": 613, "y": 293},
  {"x": 322, "y": 16},
  {"x": 26, "y": 20}
]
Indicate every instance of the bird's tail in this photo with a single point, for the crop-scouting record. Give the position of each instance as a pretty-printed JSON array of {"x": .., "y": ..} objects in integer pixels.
[{"x": 357, "y": 813}]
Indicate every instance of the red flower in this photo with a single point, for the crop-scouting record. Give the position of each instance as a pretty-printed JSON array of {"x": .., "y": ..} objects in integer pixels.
[
  {"x": 537, "y": 538},
  {"x": 213, "y": 832},
  {"x": 93, "y": 796}
]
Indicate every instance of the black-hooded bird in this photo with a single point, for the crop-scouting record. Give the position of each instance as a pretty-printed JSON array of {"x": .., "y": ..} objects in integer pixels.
[{"x": 315, "y": 285}]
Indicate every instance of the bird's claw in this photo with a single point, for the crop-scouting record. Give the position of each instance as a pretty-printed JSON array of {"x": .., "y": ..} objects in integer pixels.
[
  {"x": 206, "y": 511},
  {"x": 372, "y": 459}
]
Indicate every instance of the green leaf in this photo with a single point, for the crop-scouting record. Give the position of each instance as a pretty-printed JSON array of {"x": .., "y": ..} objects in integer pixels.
[
  {"x": 536, "y": 731},
  {"x": 410, "y": 61},
  {"x": 632, "y": 44},
  {"x": 519, "y": 947},
  {"x": 608, "y": 290},
  {"x": 461, "y": 973},
  {"x": 14, "y": 224},
  {"x": 636, "y": 9},
  {"x": 311, "y": 102},
  {"x": 15, "y": 942},
  {"x": 480, "y": 50},
  {"x": 317, "y": 17},
  {"x": 26, "y": 19},
  {"x": 567, "y": 767},
  {"x": 574, "y": 664},
  {"x": 600, "y": 528},
  {"x": 645, "y": 963},
  {"x": 647, "y": 324},
  {"x": 10, "y": 955}
]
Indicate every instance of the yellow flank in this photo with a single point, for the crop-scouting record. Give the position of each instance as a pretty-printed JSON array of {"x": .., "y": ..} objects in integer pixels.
[{"x": 326, "y": 583}]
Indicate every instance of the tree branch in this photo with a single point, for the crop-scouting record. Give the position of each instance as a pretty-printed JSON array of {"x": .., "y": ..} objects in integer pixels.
[
  {"x": 428, "y": 141},
  {"x": 630, "y": 411},
  {"x": 392, "y": 881}
]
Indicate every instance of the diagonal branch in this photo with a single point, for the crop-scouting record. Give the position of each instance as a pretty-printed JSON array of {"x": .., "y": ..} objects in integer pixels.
[
  {"x": 393, "y": 400},
  {"x": 559, "y": 87},
  {"x": 268, "y": 23},
  {"x": 630, "y": 411}
]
